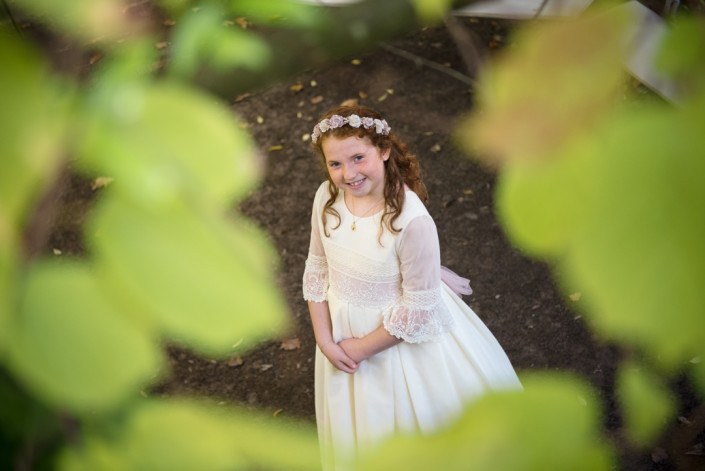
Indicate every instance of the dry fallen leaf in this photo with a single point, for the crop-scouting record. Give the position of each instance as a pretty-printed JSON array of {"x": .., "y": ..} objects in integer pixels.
[
  {"x": 290, "y": 344},
  {"x": 356, "y": 62},
  {"x": 314, "y": 83},
  {"x": 383, "y": 97},
  {"x": 277, "y": 412},
  {"x": 161, "y": 44},
  {"x": 101, "y": 182},
  {"x": 241, "y": 97},
  {"x": 349, "y": 102},
  {"x": 297, "y": 87},
  {"x": 169, "y": 22},
  {"x": 277, "y": 147},
  {"x": 265, "y": 366},
  {"x": 260, "y": 120},
  {"x": 56, "y": 251},
  {"x": 242, "y": 21},
  {"x": 362, "y": 94},
  {"x": 317, "y": 99},
  {"x": 235, "y": 361},
  {"x": 575, "y": 296},
  {"x": 436, "y": 148}
]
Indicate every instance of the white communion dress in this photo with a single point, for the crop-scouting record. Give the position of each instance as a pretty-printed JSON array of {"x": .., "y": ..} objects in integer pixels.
[{"x": 447, "y": 358}]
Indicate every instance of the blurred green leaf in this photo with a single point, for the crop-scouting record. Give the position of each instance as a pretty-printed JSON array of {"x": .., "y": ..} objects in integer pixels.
[
  {"x": 697, "y": 368},
  {"x": 207, "y": 281},
  {"x": 637, "y": 255},
  {"x": 287, "y": 13},
  {"x": 202, "y": 39},
  {"x": 541, "y": 204},
  {"x": 431, "y": 11},
  {"x": 32, "y": 126},
  {"x": 186, "y": 435},
  {"x": 165, "y": 141},
  {"x": 8, "y": 292},
  {"x": 93, "y": 455},
  {"x": 125, "y": 64},
  {"x": 87, "y": 20},
  {"x": 550, "y": 425},
  {"x": 71, "y": 347},
  {"x": 555, "y": 84},
  {"x": 681, "y": 54},
  {"x": 175, "y": 7},
  {"x": 646, "y": 402}
]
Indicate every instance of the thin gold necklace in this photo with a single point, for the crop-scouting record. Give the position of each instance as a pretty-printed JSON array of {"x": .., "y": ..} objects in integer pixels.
[{"x": 353, "y": 226}]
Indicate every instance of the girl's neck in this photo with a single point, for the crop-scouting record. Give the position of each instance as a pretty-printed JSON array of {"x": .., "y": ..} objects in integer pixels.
[{"x": 363, "y": 206}]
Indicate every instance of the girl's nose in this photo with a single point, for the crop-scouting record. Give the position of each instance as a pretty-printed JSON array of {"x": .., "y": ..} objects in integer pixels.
[{"x": 348, "y": 172}]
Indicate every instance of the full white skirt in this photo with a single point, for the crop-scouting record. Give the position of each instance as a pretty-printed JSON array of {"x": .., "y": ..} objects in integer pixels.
[{"x": 408, "y": 388}]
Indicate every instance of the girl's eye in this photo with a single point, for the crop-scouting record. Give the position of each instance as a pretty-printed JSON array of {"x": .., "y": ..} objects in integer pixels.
[
  {"x": 333, "y": 164},
  {"x": 358, "y": 158}
]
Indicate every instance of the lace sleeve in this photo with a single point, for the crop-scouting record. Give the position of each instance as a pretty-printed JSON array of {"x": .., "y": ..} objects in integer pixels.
[
  {"x": 315, "y": 282},
  {"x": 421, "y": 314},
  {"x": 420, "y": 317}
]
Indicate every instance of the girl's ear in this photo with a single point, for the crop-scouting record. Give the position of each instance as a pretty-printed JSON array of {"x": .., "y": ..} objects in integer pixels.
[{"x": 385, "y": 154}]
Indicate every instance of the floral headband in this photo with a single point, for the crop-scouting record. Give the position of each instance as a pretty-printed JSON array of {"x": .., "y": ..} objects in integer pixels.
[{"x": 337, "y": 121}]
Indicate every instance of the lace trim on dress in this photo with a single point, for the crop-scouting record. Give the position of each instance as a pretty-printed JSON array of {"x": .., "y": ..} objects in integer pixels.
[
  {"x": 315, "y": 283},
  {"x": 362, "y": 293},
  {"x": 419, "y": 317}
]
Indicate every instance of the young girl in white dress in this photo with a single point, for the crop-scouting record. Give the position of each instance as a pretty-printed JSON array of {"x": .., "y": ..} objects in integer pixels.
[{"x": 398, "y": 350}]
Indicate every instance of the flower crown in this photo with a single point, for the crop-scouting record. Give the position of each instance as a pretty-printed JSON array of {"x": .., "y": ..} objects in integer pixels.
[{"x": 337, "y": 121}]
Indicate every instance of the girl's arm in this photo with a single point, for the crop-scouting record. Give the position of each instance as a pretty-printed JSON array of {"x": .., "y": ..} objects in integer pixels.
[
  {"x": 369, "y": 345},
  {"x": 322, "y": 330}
]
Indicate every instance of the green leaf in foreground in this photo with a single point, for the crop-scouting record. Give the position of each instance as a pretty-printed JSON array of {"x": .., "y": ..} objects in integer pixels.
[
  {"x": 84, "y": 356},
  {"x": 185, "y": 435},
  {"x": 638, "y": 254},
  {"x": 163, "y": 142},
  {"x": 201, "y": 39},
  {"x": 205, "y": 280},
  {"x": 556, "y": 84},
  {"x": 32, "y": 122},
  {"x": 550, "y": 425},
  {"x": 646, "y": 402}
]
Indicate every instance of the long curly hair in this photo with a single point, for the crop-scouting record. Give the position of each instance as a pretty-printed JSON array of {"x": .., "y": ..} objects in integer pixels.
[{"x": 400, "y": 169}]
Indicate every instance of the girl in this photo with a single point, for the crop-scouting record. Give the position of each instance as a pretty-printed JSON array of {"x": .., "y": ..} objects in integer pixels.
[{"x": 398, "y": 350}]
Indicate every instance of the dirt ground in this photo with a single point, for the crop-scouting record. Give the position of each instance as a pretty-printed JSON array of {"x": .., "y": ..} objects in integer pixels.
[{"x": 515, "y": 296}]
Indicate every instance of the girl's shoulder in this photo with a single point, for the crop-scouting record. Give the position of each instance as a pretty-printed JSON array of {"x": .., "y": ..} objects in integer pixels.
[
  {"x": 322, "y": 194},
  {"x": 413, "y": 208}
]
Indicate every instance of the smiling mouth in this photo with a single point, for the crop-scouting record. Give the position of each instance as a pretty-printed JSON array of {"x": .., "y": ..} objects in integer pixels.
[{"x": 356, "y": 184}]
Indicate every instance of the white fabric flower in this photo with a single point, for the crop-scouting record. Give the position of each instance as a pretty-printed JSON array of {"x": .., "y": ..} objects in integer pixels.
[
  {"x": 336, "y": 121},
  {"x": 354, "y": 121},
  {"x": 324, "y": 125}
]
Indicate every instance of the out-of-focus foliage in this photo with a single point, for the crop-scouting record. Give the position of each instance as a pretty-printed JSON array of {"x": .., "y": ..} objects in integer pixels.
[
  {"x": 610, "y": 195},
  {"x": 608, "y": 189},
  {"x": 646, "y": 402},
  {"x": 178, "y": 434},
  {"x": 168, "y": 259},
  {"x": 553, "y": 424}
]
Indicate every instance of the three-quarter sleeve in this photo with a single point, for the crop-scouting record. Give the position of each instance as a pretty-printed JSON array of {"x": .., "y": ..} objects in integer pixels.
[
  {"x": 315, "y": 281},
  {"x": 420, "y": 315}
]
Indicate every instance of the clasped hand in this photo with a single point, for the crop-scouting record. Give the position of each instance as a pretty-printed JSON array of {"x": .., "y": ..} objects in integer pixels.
[{"x": 345, "y": 355}]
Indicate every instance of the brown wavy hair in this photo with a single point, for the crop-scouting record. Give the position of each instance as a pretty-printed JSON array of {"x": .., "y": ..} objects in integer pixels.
[{"x": 400, "y": 169}]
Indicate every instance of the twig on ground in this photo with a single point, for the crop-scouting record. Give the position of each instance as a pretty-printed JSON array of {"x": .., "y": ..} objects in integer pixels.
[{"x": 428, "y": 63}]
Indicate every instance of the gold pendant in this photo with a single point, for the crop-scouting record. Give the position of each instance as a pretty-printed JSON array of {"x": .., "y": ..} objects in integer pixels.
[{"x": 353, "y": 227}]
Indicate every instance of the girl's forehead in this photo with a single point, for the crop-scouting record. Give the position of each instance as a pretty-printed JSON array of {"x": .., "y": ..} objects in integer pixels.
[{"x": 335, "y": 147}]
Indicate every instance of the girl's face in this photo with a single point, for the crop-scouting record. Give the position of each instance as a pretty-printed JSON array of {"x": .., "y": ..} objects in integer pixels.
[{"x": 355, "y": 165}]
